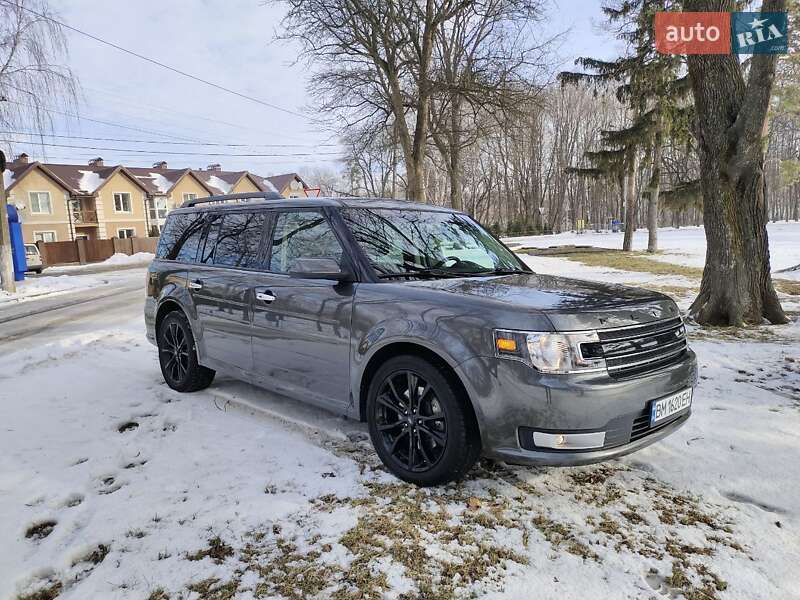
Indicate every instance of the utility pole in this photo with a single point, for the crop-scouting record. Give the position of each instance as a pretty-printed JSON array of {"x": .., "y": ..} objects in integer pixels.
[{"x": 6, "y": 260}]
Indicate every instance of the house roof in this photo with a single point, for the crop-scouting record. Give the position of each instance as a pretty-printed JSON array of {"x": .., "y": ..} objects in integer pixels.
[
  {"x": 281, "y": 181},
  {"x": 81, "y": 180},
  {"x": 89, "y": 179},
  {"x": 162, "y": 181}
]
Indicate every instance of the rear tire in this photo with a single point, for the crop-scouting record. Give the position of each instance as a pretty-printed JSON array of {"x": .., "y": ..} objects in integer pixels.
[
  {"x": 177, "y": 355},
  {"x": 420, "y": 423}
]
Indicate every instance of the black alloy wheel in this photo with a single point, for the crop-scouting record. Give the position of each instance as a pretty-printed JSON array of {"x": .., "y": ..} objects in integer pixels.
[
  {"x": 411, "y": 422},
  {"x": 175, "y": 352},
  {"x": 177, "y": 355},
  {"x": 421, "y": 425}
]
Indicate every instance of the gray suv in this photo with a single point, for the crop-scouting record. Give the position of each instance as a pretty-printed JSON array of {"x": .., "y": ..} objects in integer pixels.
[{"x": 418, "y": 321}]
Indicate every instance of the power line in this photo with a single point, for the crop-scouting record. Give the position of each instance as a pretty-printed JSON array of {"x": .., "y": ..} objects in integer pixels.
[
  {"x": 168, "y": 143},
  {"x": 176, "y": 153},
  {"x": 109, "y": 123},
  {"x": 139, "y": 104},
  {"x": 160, "y": 64}
]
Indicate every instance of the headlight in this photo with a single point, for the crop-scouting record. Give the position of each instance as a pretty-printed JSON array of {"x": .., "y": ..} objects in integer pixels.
[{"x": 578, "y": 352}]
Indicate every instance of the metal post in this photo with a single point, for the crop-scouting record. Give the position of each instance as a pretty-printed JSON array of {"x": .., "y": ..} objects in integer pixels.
[{"x": 6, "y": 260}]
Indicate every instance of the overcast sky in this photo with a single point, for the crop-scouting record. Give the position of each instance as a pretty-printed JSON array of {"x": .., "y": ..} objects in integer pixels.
[{"x": 229, "y": 42}]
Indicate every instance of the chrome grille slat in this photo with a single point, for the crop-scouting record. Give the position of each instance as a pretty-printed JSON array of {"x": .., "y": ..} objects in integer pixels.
[
  {"x": 659, "y": 358},
  {"x": 639, "y": 348},
  {"x": 640, "y": 352},
  {"x": 638, "y": 331}
]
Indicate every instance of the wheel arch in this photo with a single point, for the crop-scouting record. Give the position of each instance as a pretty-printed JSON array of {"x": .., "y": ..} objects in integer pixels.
[
  {"x": 167, "y": 306},
  {"x": 400, "y": 348}
]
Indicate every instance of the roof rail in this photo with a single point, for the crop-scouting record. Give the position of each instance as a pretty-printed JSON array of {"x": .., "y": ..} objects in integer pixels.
[{"x": 246, "y": 196}]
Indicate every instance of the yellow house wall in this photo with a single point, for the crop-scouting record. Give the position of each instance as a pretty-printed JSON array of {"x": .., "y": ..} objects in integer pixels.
[
  {"x": 244, "y": 186},
  {"x": 110, "y": 220},
  {"x": 187, "y": 185},
  {"x": 57, "y": 220}
]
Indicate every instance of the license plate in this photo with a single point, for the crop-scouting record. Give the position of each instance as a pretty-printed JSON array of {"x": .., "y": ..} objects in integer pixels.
[{"x": 666, "y": 407}]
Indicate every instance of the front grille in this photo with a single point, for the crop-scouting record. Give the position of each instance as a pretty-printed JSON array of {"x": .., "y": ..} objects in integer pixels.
[{"x": 642, "y": 348}]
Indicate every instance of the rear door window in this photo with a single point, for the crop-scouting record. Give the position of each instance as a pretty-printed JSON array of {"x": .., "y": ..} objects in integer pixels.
[
  {"x": 239, "y": 240},
  {"x": 209, "y": 245}
]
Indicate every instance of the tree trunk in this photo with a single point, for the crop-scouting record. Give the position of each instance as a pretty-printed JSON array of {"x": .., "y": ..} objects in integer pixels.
[
  {"x": 652, "y": 204},
  {"x": 737, "y": 285},
  {"x": 630, "y": 200}
]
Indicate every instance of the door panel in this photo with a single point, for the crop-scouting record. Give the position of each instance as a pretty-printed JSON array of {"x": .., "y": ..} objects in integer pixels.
[
  {"x": 223, "y": 309},
  {"x": 301, "y": 339},
  {"x": 222, "y": 288},
  {"x": 301, "y": 327}
]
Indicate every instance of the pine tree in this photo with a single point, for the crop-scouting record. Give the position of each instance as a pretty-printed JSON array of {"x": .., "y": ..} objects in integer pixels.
[{"x": 651, "y": 86}]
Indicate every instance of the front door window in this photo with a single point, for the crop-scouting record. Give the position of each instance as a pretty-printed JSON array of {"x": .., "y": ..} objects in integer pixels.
[{"x": 299, "y": 235}]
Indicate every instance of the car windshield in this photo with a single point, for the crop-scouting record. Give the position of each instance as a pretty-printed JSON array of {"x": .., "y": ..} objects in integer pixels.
[{"x": 424, "y": 243}]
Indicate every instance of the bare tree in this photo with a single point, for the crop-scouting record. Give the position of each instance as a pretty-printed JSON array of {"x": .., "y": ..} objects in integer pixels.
[
  {"x": 486, "y": 60},
  {"x": 31, "y": 46},
  {"x": 731, "y": 115},
  {"x": 374, "y": 62}
]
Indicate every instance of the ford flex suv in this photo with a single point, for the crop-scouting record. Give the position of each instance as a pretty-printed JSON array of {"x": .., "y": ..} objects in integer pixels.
[{"x": 418, "y": 321}]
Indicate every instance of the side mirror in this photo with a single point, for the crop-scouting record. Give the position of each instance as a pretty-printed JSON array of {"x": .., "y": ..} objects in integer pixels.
[{"x": 320, "y": 268}]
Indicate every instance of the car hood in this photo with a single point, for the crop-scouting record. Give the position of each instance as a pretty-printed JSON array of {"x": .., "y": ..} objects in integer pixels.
[{"x": 570, "y": 304}]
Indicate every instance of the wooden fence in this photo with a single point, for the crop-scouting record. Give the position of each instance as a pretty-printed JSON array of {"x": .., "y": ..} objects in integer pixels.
[{"x": 89, "y": 251}]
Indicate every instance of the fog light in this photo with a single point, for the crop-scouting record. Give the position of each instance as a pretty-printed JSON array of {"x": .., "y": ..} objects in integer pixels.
[{"x": 569, "y": 441}]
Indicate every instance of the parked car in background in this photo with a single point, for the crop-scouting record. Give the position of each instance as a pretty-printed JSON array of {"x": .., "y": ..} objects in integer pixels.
[
  {"x": 33, "y": 258},
  {"x": 418, "y": 321}
]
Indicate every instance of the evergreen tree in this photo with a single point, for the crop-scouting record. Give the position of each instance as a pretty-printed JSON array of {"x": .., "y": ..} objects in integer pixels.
[{"x": 652, "y": 87}]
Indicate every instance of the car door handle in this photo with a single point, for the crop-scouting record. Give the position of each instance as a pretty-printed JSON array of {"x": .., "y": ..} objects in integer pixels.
[
  {"x": 196, "y": 285},
  {"x": 265, "y": 296}
]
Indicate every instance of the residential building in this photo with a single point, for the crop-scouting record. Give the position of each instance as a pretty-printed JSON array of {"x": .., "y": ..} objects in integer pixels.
[
  {"x": 291, "y": 185},
  {"x": 168, "y": 189},
  {"x": 59, "y": 202}
]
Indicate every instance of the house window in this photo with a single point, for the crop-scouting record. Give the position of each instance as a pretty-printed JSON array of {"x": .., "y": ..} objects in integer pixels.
[
  {"x": 122, "y": 202},
  {"x": 44, "y": 236},
  {"x": 127, "y": 232},
  {"x": 158, "y": 209},
  {"x": 187, "y": 197},
  {"x": 40, "y": 203}
]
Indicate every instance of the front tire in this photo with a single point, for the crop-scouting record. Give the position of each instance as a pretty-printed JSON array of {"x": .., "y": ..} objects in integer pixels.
[
  {"x": 421, "y": 425},
  {"x": 177, "y": 355}
]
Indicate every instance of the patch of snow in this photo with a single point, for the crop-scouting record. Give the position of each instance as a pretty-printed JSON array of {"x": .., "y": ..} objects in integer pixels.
[
  {"x": 90, "y": 181},
  {"x": 57, "y": 281},
  {"x": 162, "y": 183},
  {"x": 222, "y": 185},
  {"x": 118, "y": 259},
  {"x": 683, "y": 246},
  {"x": 8, "y": 178},
  {"x": 269, "y": 185}
]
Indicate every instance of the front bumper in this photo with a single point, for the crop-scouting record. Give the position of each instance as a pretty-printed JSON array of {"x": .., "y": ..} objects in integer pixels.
[
  {"x": 521, "y": 456},
  {"x": 511, "y": 400}
]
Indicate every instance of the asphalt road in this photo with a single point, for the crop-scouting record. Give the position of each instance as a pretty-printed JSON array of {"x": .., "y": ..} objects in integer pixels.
[{"x": 34, "y": 322}]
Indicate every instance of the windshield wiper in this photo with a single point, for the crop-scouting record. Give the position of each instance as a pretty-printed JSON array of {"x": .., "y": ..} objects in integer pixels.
[
  {"x": 423, "y": 274},
  {"x": 503, "y": 272}
]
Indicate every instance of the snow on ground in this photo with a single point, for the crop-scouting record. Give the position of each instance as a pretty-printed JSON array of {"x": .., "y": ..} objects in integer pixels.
[
  {"x": 116, "y": 260},
  {"x": 684, "y": 246},
  {"x": 114, "y": 486},
  {"x": 37, "y": 288}
]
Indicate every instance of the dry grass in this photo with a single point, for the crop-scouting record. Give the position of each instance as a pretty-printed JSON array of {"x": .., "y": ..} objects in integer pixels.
[
  {"x": 217, "y": 550},
  {"x": 634, "y": 261},
  {"x": 48, "y": 592}
]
